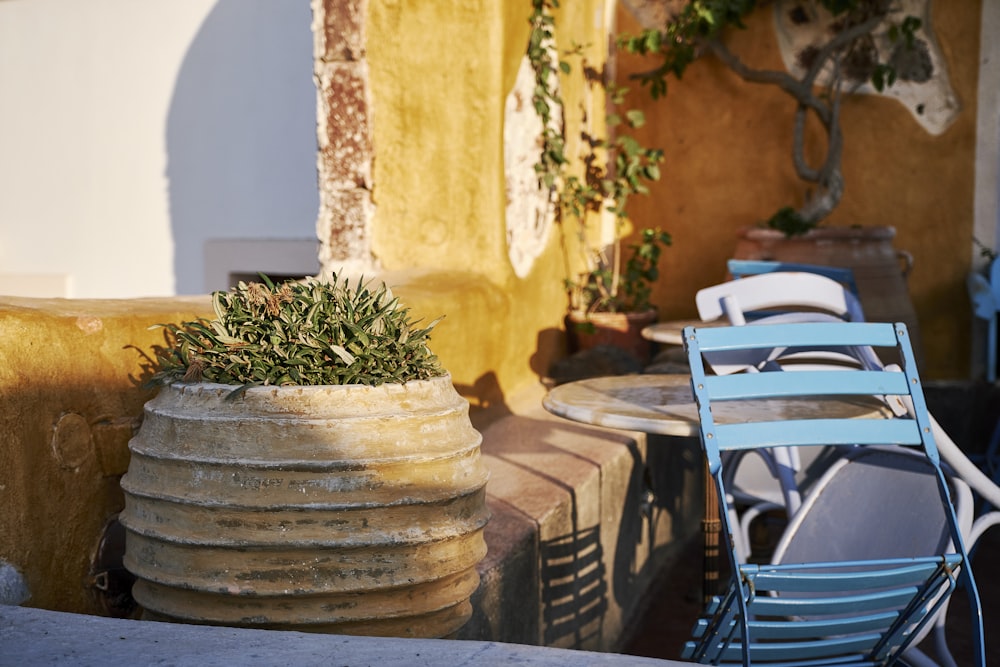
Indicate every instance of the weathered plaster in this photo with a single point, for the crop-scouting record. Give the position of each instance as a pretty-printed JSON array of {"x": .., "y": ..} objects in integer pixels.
[
  {"x": 530, "y": 207},
  {"x": 344, "y": 135},
  {"x": 987, "y": 197},
  {"x": 927, "y": 94}
]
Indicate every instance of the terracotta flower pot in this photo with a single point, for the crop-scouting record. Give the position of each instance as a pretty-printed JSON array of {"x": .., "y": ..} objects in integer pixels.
[{"x": 622, "y": 330}]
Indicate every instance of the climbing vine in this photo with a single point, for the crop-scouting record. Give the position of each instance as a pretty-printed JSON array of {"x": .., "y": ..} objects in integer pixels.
[{"x": 615, "y": 167}]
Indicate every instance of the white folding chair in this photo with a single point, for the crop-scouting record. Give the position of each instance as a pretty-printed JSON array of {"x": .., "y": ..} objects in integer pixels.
[
  {"x": 775, "y": 479},
  {"x": 778, "y": 291},
  {"x": 740, "y": 268}
]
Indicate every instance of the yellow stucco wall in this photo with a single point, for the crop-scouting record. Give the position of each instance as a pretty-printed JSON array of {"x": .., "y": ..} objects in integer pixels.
[
  {"x": 728, "y": 165},
  {"x": 438, "y": 174},
  {"x": 438, "y": 87},
  {"x": 70, "y": 376}
]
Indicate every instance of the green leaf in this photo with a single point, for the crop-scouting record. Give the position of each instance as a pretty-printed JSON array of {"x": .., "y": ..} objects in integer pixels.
[
  {"x": 344, "y": 355},
  {"x": 635, "y": 118}
]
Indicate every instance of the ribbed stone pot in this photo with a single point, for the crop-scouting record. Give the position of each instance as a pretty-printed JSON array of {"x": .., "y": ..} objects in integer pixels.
[{"x": 346, "y": 509}]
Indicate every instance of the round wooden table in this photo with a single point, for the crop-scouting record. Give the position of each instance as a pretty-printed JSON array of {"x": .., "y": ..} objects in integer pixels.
[
  {"x": 671, "y": 332},
  {"x": 664, "y": 405}
]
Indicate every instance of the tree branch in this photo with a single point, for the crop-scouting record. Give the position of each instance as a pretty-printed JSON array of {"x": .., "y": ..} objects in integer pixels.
[
  {"x": 839, "y": 41},
  {"x": 800, "y": 91},
  {"x": 802, "y": 168}
]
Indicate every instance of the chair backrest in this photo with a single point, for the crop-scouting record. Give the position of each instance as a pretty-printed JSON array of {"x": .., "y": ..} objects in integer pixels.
[
  {"x": 864, "y": 608},
  {"x": 741, "y": 268},
  {"x": 788, "y": 290},
  {"x": 797, "y": 296}
]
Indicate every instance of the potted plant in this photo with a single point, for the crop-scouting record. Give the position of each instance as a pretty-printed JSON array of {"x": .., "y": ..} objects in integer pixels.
[
  {"x": 307, "y": 464},
  {"x": 609, "y": 282}
]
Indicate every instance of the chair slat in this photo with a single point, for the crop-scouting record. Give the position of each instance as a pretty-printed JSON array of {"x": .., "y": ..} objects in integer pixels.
[
  {"x": 830, "y": 606},
  {"x": 794, "y": 628},
  {"x": 835, "y": 576},
  {"x": 835, "y": 646},
  {"x": 752, "y": 386},
  {"x": 805, "y": 432},
  {"x": 817, "y": 334},
  {"x": 800, "y": 629},
  {"x": 855, "y": 660}
]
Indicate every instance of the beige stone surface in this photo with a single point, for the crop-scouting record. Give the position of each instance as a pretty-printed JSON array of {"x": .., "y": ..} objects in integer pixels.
[{"x": 41, "y": 637}]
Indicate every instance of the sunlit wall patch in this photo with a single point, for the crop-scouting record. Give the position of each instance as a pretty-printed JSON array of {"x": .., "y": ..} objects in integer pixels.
[{"x": 531, "y": 207}]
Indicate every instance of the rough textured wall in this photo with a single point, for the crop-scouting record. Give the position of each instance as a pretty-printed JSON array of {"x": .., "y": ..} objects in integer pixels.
[
  {"x": 69, "y": 376},
  {"x": 728, "y": 165},
  {"x": 343, "y": 132},
  {"x": 439, "y": 74}
]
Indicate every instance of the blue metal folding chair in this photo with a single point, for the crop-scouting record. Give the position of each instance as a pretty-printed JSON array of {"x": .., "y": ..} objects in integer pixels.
[{"x": 829, "y": 608}]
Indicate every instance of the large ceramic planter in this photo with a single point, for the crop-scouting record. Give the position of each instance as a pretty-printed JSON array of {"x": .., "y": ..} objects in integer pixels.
[
  {"x": 879, "y": 268},
  {"x": 621, "y": 330},
  {"x": 347, "y": 509}
]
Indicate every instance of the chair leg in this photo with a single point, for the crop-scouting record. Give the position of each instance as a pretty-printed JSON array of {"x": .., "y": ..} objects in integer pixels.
[
  {"x": 992, "y": 462},
  {"x": 991, "y": 350}
]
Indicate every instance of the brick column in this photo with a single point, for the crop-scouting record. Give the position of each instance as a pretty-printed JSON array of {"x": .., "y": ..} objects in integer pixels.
[{"x": 344, "y": 135}]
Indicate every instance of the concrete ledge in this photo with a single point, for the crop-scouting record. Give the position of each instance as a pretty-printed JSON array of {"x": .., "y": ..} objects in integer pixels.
[
  {"x": 35, "y": 637},
  {"x": 584, "y": 519}
]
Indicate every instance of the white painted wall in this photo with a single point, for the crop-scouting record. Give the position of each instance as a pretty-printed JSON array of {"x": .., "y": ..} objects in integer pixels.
[{"x": 132, "y": 132}]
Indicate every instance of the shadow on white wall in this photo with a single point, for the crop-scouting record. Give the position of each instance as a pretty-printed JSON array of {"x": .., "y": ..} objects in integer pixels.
[{"x": 241, "y": 132}]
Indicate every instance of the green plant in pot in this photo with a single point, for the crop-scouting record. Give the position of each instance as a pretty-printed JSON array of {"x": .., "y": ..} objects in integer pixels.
[
  {"x": 609, "y": 281},
  {"x": 307, "y": 464}
]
